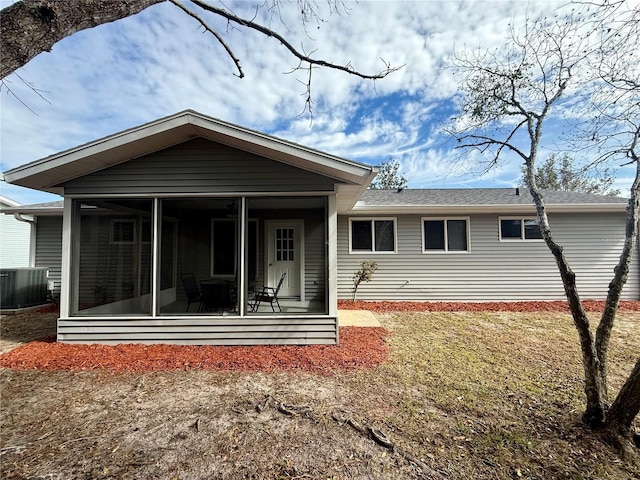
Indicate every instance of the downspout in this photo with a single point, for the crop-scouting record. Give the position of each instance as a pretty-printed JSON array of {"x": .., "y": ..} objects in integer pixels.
[{"x": 32, "y": 234}]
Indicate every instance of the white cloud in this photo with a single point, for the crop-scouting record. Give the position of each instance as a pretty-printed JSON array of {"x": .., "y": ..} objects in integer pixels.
[{"x": 158, "y": 62}]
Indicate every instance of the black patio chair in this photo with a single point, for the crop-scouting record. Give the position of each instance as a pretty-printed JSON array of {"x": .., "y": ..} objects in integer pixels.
[
  {"x": 268, "y": 295},
  {"x": 191, "y": 289}
]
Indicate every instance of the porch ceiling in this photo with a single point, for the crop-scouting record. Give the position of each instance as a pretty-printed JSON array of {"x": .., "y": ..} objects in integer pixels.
[{"x": 48, "y": 173}]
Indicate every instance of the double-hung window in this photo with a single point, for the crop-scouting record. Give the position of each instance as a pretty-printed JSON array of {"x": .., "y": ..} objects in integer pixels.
[
  {"x": 123, "y": 232},
  {"x": 376, "y": 235},
  {"x": 519, "y": 229},
  {"x": 445, "y": 235}
]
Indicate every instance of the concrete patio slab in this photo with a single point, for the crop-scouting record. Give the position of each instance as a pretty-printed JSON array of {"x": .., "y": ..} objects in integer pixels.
[{"x": 357, "y": 318}]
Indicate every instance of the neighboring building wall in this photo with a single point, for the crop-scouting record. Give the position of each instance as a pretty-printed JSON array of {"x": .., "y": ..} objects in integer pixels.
[
  {"x": 492, "y": 270},
  {"x": 48, "y": 249},
  {"x": 15, "y": 241}
]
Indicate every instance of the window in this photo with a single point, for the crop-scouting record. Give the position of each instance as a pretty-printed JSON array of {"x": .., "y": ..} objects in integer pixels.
[
  {"x": 520, "y": 229},
  {"x": 373, "y": 235},
  {"x": 123, "y": 232},
  {"x": 445, "y": 235}
]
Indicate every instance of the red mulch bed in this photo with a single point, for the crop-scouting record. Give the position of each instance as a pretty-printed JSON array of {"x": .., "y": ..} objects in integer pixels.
[
  {"x": 528, "y": 306},
  {"x": 359, "y": 347}
]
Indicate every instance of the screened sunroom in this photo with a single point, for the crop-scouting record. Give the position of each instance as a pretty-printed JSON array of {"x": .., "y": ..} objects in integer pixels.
[
  {"x": 199, "y": 256},
  {"x": 192, "y": 230}
]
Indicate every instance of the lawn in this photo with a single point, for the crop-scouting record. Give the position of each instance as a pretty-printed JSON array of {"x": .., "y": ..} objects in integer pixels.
[{"x": 495, "y": 395}]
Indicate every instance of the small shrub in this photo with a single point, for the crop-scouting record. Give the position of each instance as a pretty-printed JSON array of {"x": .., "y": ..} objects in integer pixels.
[{"x": 364, "y": 274}]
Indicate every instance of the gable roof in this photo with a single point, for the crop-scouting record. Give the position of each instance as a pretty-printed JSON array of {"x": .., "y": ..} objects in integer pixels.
[
  {"x": 481, "y": 200},
  {"x": 48, "y": 173}
]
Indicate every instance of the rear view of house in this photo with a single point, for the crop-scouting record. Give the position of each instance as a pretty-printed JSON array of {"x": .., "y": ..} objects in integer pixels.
[{"x": 192, "y": 230}]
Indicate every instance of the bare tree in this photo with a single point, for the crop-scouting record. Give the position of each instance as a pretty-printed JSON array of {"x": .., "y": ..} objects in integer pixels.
[
  {"x": 559, "y": 172},
  {"x": 389, "y": 176},
  {"x": 30, "y": 27},
  {"x": 508, "y": 96}
]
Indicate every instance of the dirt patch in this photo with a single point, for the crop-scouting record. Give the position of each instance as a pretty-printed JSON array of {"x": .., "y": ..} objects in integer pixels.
[
  {"x": 16, "y": 330},
  {"x": 462, "y": 395}
]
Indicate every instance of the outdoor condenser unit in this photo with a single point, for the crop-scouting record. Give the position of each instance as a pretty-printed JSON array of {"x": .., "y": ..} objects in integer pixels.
[{"x": 22, "y": 287}]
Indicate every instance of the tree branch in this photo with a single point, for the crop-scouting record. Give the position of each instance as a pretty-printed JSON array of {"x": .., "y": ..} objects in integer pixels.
[
  {"x": 34, "y": 26},
  {"x": 299, "y": 55},
  {"x": 212, "y": 32}
]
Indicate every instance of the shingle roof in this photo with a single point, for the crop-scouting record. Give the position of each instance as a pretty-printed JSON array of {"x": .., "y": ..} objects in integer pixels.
[
  {"x": 431, "y": 200},
  {"x": 477, "y": 196}
]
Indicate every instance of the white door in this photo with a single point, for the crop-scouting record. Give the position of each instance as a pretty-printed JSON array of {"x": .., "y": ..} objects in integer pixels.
[{"x": 285, "y": 253}]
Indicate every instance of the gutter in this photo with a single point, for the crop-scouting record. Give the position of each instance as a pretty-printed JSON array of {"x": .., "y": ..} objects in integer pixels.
[{"x": 20, "y": 218}]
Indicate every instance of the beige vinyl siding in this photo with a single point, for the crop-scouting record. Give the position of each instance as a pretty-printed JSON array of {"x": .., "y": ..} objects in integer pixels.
[
  {"x": 198, "y": 166},
  {"x": 48, "y": 249},
  {"x": 492, "y": 269},
  {"x": 201, "y": 331}
]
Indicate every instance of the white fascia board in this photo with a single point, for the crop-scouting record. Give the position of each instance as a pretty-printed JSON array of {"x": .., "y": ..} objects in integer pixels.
[
  {"x": 361, "y": 209},
  {"x": 8, "y": 201}
]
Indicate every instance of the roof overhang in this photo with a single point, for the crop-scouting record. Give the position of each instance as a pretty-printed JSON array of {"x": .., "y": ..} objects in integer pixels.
[{"x": 47, "y": 174}]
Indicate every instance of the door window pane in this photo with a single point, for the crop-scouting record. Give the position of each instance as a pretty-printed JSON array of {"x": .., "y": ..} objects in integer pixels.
[{"x": 284, "y": 244}]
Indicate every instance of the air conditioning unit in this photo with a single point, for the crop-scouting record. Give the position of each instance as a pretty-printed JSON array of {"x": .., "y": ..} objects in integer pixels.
[{"x": 22, "y": 287}]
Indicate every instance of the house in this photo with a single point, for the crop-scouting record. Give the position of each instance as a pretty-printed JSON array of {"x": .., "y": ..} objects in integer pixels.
[
  {"x": 15, "y": 237},
  {"x": 149, "y": 210}
]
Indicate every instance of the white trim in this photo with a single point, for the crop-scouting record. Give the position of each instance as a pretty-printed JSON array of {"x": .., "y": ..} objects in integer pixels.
[
  {"x": 156, "y": 257},
  {"x": 446, "y": 235},
  {"x": 242, "y": 283},
  {"x": 373, "y": 251},
  {"x": 522, "y": 230},
  {"x": 68, "y": 276},
  {"x": 162, "y": 195},
  {"x": 332, "y": 252}
]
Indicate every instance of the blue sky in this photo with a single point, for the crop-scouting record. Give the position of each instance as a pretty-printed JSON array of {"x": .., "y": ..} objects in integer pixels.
[{"x": 116, "y": 76}]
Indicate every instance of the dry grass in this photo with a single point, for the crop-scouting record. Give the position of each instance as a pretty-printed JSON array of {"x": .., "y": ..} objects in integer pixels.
[{"x": 472, "y": 395}]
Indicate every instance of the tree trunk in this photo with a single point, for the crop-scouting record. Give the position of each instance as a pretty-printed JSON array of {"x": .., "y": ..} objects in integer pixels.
[
  {"x": 621, "y": 272},
  {"x": 594, "y": 385},
  {"x": 30, "y": 27},
  {"x": 622, "y": 412}
]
